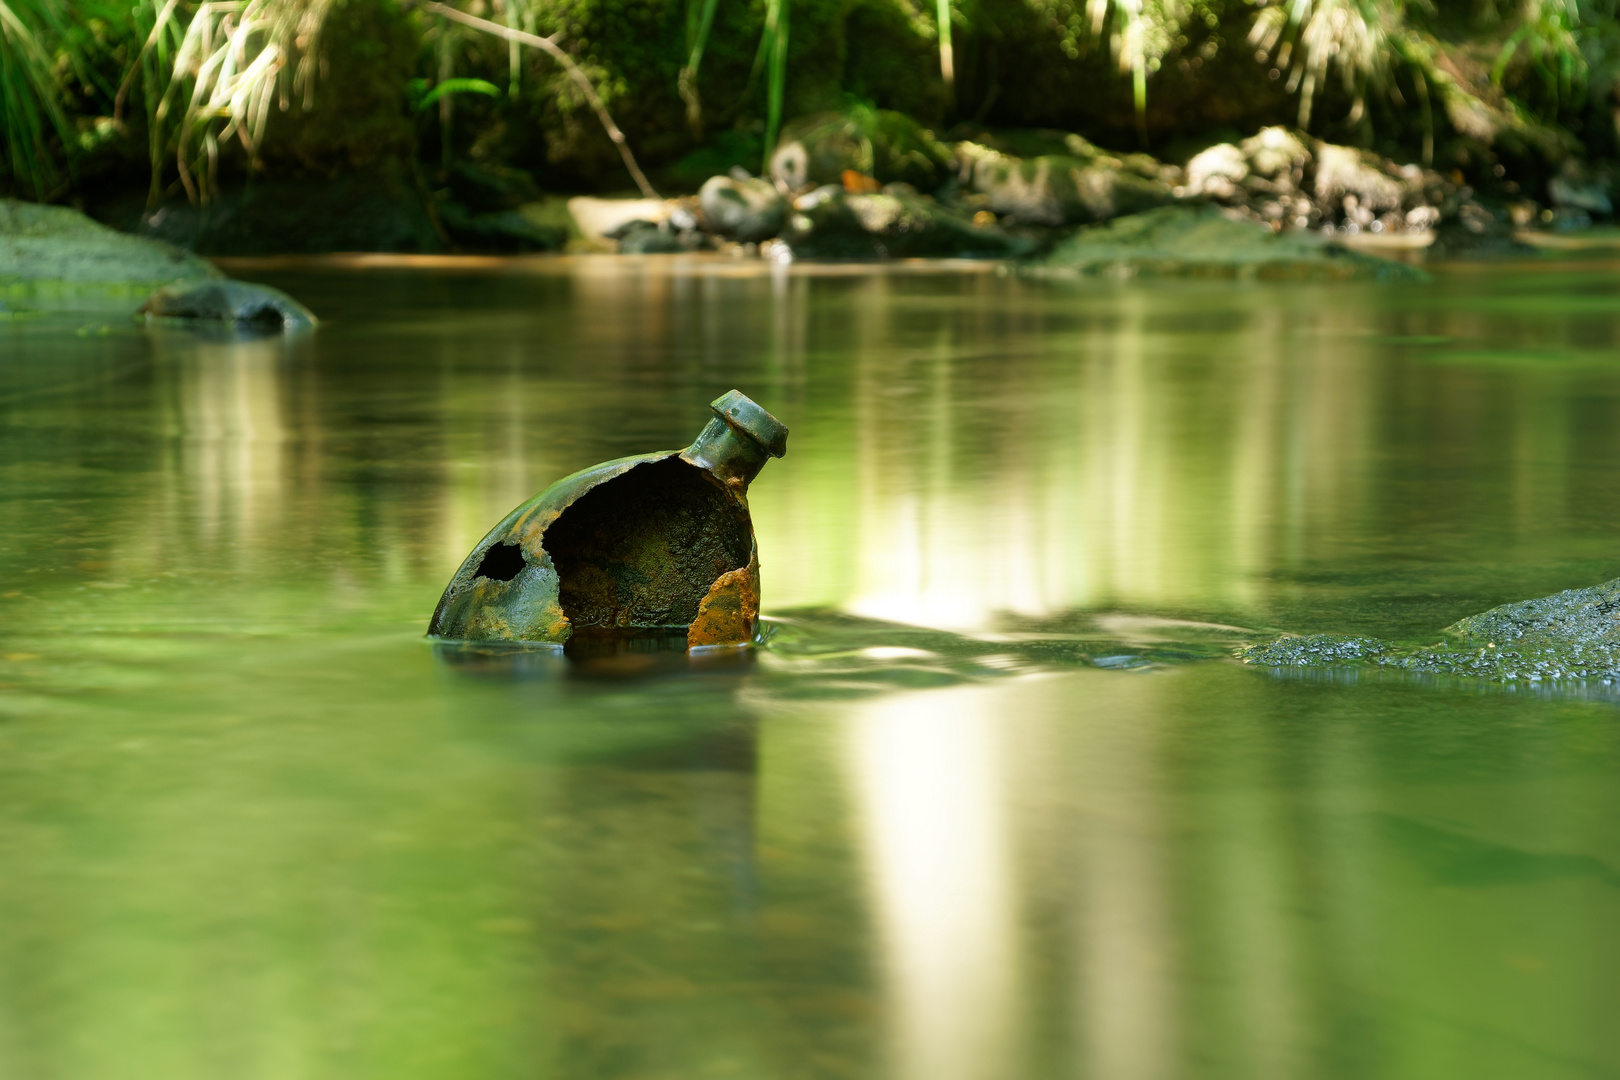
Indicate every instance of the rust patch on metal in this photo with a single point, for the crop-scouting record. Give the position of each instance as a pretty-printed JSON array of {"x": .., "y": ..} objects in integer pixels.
[
  {"x": 728, "y": 614},
  {"x": 640, "y": 551}
]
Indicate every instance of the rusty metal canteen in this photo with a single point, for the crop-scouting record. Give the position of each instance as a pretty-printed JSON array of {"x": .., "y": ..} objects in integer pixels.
[{"x": 654, "y": 544}]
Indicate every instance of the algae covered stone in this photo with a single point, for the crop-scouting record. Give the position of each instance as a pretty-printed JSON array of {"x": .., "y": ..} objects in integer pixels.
[
  {"x": 55, "y": 251},
  {"x": 1570, "y": 635},
  {"x": 1202, "y": 241},
  {"x": 887, "y": 146},
  {"x": 1314, "y": 650},
  {"x": 1059, "y": 189},
  {"x": 829, "y": 224}
]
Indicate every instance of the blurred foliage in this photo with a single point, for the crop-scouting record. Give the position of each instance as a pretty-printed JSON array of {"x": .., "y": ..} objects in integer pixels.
[
  {"x": 52, "y": 66},
  {"x": 886, "y": 145},
  {"x": 207, "y": 91}
]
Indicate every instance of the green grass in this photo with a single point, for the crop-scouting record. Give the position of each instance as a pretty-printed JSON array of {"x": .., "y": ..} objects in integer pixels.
[{"x": 31, "y": 110}]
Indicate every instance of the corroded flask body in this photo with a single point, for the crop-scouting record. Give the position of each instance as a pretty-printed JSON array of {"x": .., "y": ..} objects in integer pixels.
[{"x": 654, "y": 544}]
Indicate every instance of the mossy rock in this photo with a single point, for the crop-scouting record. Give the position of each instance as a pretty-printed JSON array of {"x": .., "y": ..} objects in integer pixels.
[
  {"x": 240, "y": 304},
  {"x": 1200, "y": 241},
  {"x": 1060, "y": 189},
  {"x": 888, "y": 146},
  {"x": 52, "y": 251},
  {"x": 894, "y": 224},
  {"x": 748, "y": 210},
  {"x": 1570, "y": 635},
  {"x": 1049, "y": 142}
]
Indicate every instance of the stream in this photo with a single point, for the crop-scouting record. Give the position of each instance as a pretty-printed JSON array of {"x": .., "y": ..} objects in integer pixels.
[{"x": 991, "y": 801}]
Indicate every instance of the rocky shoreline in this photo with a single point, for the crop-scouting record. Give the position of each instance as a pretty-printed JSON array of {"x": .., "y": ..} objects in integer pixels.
[
  {"x": 1275, "y": 206},
  {"x": 880, "y": 185},
  {"x": 836, "y": 191}
]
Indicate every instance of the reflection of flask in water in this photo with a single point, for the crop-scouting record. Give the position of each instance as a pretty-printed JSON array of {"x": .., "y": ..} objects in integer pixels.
[{"x": 659, "y": 543}]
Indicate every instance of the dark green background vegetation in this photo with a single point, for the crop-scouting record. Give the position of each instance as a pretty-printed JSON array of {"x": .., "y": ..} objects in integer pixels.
[{"x": 1490, "y": 88}]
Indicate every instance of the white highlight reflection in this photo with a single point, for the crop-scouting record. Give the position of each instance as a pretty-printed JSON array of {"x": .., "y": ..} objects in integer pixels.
[
  {"x": 928, "y": 781},
  {"x": 233, "y": 436}
]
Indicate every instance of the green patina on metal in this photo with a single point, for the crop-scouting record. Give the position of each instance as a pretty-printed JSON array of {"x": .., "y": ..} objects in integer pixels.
[{"x": 659, "y": 543}]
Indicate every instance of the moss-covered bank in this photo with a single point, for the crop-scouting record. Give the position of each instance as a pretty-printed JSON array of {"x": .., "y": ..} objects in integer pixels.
[{"x": 51, "y": 252}]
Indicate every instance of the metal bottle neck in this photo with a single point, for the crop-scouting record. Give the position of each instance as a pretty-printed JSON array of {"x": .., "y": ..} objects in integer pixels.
[
  {"x": 728, "y": 454},
  {"x": 739, "y": 440}
]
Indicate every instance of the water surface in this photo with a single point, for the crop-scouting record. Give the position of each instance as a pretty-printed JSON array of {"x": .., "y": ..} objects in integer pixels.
[{"x": 992, "y": 802}]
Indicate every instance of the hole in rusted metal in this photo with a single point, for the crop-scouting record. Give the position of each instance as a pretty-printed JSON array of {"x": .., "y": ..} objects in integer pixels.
[
  {"x": 502, "y": 562},
  {"x": 641, "y": 550}
]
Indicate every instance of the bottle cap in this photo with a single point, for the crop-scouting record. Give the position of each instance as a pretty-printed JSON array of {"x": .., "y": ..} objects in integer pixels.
[{"x": 744, "y": 416}]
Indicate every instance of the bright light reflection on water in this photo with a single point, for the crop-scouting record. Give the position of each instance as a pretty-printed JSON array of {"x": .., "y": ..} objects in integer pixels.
[{"x": 991, "y": 803}]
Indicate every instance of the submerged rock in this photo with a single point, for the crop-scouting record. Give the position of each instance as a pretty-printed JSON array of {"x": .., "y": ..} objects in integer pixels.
[
  {"x": 1570, "y": 635},
  {"x": 53, "y": 249},
  {"x": 747, "y": 210},
  {"x": 1203, "y": 241},
  {"x": 1313, "y": 650},
  {"x": 240, "y": 303}
]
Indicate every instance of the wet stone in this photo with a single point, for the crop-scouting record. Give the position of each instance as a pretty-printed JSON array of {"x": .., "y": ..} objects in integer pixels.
[
  {"x": 1313, "y": 650},
  {"x": 1570, "y": 635},
  {"x": 747, "y": 210},
  {"x": 235, "y": 302}
]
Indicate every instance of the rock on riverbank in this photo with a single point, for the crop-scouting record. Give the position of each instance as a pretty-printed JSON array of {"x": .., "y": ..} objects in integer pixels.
[
  {"x": 873, "y": 184},
  {"x": 56, "y": 257},
  {"x": 52, "y": 251},
  {"x": 240, "y": 304},
  {"x": 1204, "y": 241}
]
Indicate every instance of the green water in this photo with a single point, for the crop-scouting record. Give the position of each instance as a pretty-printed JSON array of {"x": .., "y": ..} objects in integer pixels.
[{"x": 991, "y": 803}]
